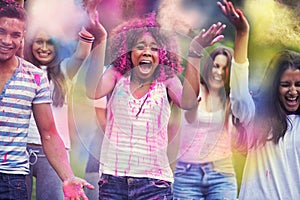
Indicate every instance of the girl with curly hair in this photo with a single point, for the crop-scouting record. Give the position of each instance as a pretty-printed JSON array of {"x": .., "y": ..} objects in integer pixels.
[{"x": 141, "y": 81}]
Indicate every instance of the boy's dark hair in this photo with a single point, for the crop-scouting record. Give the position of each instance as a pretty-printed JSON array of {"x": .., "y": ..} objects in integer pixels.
[{"x": 12, "y": 10}]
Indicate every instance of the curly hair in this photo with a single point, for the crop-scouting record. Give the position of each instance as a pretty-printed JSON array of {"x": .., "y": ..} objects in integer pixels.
[{"x": 124, "y": 37}]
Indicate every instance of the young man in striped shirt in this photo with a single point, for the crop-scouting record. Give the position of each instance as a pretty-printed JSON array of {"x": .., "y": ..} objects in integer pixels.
[{"x": 25, "y": 89}]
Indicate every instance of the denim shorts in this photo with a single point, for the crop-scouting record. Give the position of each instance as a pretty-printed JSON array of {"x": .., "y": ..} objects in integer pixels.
[
  {"x": 116, "y": 187},
  {"x": 12, "y": 187},
  {"x": 203, "y": 181}
]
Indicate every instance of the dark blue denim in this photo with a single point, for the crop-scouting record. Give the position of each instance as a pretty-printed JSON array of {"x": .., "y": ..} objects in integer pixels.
[
  {"x": 12, "y": 187},
  {"x": 115, "y": 187},
  {"x": 203, "y": 182}
]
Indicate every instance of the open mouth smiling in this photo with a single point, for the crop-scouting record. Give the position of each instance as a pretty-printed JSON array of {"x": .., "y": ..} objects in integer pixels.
[{"x": 145, "y": 66}]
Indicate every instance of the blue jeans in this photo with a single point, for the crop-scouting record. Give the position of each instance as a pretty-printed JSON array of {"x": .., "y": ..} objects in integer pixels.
[
  {"x": 48, "y": 183},
  {"x": 116, "y": 187},
  {"x": 202, "y": 181},
  {"x": 12, "y": 187}
]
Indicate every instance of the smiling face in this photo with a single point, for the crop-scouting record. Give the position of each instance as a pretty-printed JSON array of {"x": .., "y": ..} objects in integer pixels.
[
  {"x": 11, "y": 36},
  {"x": 289, "y": 89},
  {"x": 43, "y": 48},
  {"x": 217, "y": 75},
  {"x": 144, "y": 56}
]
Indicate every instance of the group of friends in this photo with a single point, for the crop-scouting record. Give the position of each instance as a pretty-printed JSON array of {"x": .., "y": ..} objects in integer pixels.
[{"x": 140, "y": 93}]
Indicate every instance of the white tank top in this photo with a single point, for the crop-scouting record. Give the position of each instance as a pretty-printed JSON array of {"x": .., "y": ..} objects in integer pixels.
[{"x": 136, "y": 138}]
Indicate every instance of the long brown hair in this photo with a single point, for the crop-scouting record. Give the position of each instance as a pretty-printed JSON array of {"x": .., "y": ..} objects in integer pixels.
[
  {"x": 271, "y": 120},
  {"x": 53, "y": 70},
  {"x": 209, "y": 63}
]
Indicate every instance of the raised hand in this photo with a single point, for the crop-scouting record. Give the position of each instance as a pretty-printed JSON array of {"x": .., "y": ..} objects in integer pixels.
[
  {"x": 207, "y": 38},
  {"x": 235, "y": 16},
  {"x": 95, "y": 27},
  {"x": 239, "y": 21},
  {"x": 90, "y": 5}
]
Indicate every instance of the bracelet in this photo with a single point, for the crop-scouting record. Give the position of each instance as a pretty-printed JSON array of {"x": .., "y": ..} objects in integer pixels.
[
  {"x": 194, "y": 54},
  {"x": 85, "y": 38}
]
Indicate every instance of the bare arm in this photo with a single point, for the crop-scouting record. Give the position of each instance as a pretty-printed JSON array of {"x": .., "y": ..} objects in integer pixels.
[
  {"x": 90, "y": 36},
  {"x": 56, "y": 152},
  {"x": 82, "y": 51},
  {"x": 191, "y": 84},
  {"x": 99, "y": 84},
  {"x": 239, "y": 21},
  {"x": 242, "y": 104}
]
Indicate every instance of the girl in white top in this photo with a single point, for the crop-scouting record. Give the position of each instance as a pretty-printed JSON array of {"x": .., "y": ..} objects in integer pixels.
[
  {"x": 134, "y": 161},
  {"x": 272, "y": 134},
  {"x": 204, "y": 169},
  {"x": 272, "y": 163},
  {"x": 45, "y": 52}
]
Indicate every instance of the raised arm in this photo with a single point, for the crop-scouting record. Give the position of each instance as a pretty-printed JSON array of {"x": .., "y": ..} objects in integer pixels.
[
  {"x": 191, "y": 84},
  {"x": 83, "y": 49},
  {"x": 239, "y": 21},
  {"x": 90, "y": 36},
  {"x": 56, "y": 153},
  {"x": 242, "y": 104},
  {"x": 99, "y": 84}
]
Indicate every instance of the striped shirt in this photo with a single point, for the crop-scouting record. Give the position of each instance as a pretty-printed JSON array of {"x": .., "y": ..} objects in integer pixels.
[
  {"x": 136, "y": 139},
  {"x": 28, "y": 85}
]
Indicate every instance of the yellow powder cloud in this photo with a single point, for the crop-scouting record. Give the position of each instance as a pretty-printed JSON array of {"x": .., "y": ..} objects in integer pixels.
[{"x": 273, "y": 23}]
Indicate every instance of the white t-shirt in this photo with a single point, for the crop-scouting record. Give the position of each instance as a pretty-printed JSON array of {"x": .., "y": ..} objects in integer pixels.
[
  {"x": 273, "y": 171},
  {"x": 60, "y": 115}
]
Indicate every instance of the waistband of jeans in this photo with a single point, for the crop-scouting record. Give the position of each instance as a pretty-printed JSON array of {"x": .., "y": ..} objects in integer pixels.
[
  {"x": 4, "y": 176},
  {"x": 213, "y": 163},
  {"x": 193, "y": 165},
  {"x": 127, "y": 179}
]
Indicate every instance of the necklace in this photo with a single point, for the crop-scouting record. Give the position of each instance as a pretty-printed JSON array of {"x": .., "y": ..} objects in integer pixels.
[{"x": 141, "y": 82}]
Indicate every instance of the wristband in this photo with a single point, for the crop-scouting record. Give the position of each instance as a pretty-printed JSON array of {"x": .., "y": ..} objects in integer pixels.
[
  {"x": 85, "y": 38},
  {"x": 194, "y": 54}
]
